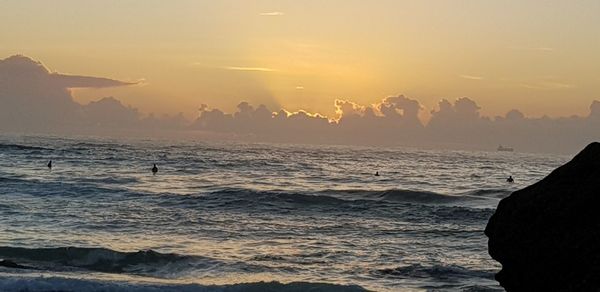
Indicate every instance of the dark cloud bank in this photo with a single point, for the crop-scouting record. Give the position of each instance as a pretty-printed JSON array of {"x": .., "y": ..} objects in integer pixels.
[{"x": 32, "y": 99}]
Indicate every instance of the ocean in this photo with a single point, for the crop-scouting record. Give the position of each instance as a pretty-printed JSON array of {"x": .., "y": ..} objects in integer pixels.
[{"x": 225, "y": 216}]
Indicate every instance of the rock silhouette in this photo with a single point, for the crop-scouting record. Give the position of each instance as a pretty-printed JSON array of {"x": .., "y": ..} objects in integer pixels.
[{"x": 547, "y": 235}]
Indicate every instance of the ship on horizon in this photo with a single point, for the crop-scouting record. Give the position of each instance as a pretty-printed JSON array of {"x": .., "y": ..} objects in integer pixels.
[{"x": 505, "y": 149}]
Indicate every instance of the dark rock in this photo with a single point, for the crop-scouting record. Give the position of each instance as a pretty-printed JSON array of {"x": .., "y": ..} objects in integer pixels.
[{"x": 547, "y": 236}]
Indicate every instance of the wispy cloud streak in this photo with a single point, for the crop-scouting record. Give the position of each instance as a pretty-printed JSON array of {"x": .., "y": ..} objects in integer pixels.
[
  {"x": 548, "y": 85},
  {"x": 470, "y": 77},
  {"x": 538, "y": 49},
  {"x": 259, "y": 69},
  {"x": 272, "y": 13}
]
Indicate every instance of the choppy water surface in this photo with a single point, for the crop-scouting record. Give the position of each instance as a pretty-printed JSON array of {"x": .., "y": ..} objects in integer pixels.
[{"x": 227, "y": 216}]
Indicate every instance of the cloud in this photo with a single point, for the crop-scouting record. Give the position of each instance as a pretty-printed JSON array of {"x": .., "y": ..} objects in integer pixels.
[
  {"x": 259, "y": 69},
  {"x": 75, "y": 81},
  {"x": 272, "y": 13},
  {"x": 345, "y": 108},
  {"x": 235, "y": 68},
  {"x": 537, "y": 49},
  {"x": 543, "y": 49},
  {"x": 471, "y": 77},
  {"x": 547, "y": 85},
  {"x": 34, "y": 100},
  {"x": 21, "y": 69},
  {"x": 394, "y": 121},
  {"x": 457, "y": 123}
]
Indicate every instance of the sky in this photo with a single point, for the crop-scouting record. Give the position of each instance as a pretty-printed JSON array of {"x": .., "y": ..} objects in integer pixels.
[
  {"x": 37, "y": 100},
  {"x": 540, "y": 57}
]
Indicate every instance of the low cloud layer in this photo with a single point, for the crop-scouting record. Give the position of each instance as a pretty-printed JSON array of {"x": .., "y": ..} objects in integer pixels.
[
  {"x": 394, "y": 121},
  {"x": 35, "y": 100},
  {"x": 33, "y": 97}
]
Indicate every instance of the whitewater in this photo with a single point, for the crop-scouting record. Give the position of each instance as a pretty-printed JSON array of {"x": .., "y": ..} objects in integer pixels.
[{"x": 230, "y": 216}]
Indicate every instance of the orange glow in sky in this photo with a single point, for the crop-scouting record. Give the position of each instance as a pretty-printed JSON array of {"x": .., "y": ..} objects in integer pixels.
[{"x": 538, "y": 56}]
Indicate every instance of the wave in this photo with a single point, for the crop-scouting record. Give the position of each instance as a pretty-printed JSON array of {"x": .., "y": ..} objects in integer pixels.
[
  {"x": 11, "y": 180},
  {"x": 113, "y": 180},
  {"x": 19, "y": 147},
  {"x": 342, "y": 196},
  {"x": 414, "y": 196},
  {"x": 439, "y": 272},
  {"x": 45, "y": 284},
  {"x": 489, "y": 193},
  {"x": 94, "y": 259}
]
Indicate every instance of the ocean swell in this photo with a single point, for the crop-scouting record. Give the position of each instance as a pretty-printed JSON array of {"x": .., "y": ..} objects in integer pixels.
[
  {"x": 441, "y": 272},
  {"x": 94, "y": 259},
  {"x": 19, "y": 147},
  {"x": 46, "y": 284},
  {"x": 343, "y": 196}
]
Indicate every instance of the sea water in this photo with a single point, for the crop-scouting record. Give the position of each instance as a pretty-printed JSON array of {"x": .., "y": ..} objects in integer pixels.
[{"x": 225, "y": 216}]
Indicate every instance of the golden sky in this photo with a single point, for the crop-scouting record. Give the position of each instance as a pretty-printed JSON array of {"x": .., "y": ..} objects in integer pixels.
[{"x": 541, "y": 57}]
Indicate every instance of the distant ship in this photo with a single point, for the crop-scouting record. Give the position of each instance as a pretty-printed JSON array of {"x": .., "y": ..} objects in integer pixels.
[{"x": 505, "y": 149}]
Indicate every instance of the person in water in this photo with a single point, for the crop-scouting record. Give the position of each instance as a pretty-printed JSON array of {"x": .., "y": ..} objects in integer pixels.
[
  {"x": 154, "y": 169},
  {"x": 50, "y": 164},
  {"x": 510, "y": 179},
  {"x": 377, "y": 173}
]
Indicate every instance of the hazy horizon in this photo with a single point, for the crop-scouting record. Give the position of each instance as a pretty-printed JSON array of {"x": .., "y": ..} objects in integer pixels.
[{"x": 37, "y": 99}]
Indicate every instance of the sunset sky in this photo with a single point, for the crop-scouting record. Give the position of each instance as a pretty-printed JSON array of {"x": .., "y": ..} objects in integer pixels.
[{"x": 538, "y": 56}]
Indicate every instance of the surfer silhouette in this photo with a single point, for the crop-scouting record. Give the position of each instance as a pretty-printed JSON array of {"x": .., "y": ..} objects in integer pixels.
[
  {"x": 377, "y": 173},
  {"x": 50, "y": 164},
  {"x": 510, "y": 179},
  {"x": 154, "y": 169}
]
